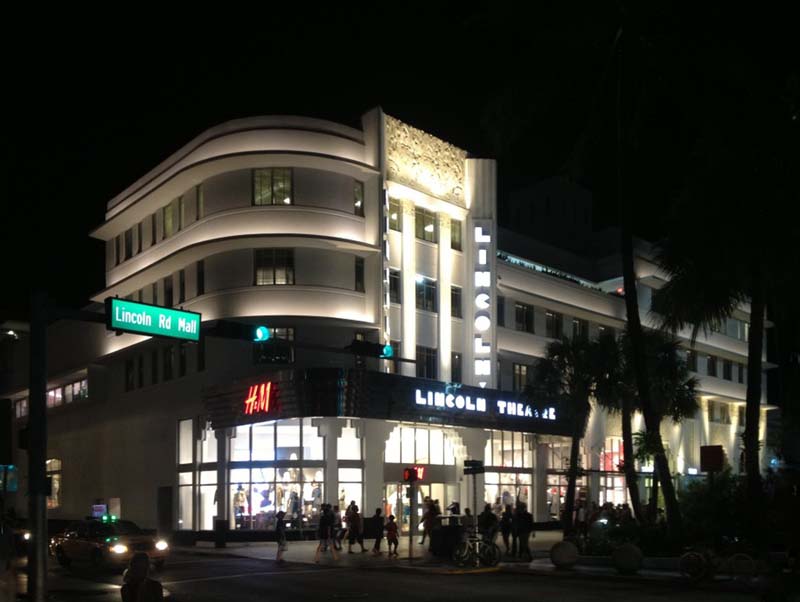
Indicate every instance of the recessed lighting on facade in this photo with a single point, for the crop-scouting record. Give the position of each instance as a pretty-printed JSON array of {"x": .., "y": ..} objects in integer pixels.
[{"x": 287, "y": 201}]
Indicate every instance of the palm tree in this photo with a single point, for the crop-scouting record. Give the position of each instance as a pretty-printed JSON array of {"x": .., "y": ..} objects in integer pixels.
[{"x": 566, "y": 375}]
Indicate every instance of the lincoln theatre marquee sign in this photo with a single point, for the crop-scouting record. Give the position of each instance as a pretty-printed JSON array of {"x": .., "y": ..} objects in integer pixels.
[{"x": 483, "y": 306}]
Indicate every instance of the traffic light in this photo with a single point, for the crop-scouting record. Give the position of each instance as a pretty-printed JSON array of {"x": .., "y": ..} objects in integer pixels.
[
  {"x": 260, "y": 334},
  {"x": 474, "y": 467},
  {"x": 368, "y": 349},
  {"x": 410, "y": 474}
]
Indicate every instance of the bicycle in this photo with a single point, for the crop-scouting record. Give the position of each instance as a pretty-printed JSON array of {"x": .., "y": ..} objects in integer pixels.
[
  {"x": 699, "y": 564},
  {"x": 476, "y": 550}
]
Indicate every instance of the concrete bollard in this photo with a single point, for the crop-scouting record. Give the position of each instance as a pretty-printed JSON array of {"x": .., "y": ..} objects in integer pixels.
[{"x": 564, "y": 555}]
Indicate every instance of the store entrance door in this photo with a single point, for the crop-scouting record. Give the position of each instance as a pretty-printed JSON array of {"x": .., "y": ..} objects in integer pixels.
[{"x": 396, "y": 502}]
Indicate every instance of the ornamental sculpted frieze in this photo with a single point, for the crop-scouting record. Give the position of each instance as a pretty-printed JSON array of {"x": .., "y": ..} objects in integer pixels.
[{"x": 419, "y": 160}]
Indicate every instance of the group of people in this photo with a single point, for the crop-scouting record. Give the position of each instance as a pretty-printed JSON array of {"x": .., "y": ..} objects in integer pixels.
[
  {"x": 514, "y": 523},
  {"x": 588, "y": 514},
  {"x": 335, "y": 528}
]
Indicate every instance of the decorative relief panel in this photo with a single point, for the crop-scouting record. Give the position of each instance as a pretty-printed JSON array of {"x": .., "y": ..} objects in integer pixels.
[{"x": 418, "y": 160}]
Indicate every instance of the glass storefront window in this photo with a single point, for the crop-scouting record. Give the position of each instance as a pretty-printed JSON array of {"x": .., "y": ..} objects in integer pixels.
[
  {"x": 208, "y": 477},
  {"x": 208, "y": 446},
  {"x": 422, "y": 456},
  {"x": 185, "y": 442},
  {"x": 313, "y": 479},
  {"x": 348, "y": 445},
  {"x": 185, "y": 478},
  {"x": 509, "y": 449},
  {"x": 437, "y": 446},
  {"x": 288, "y": 440},
  {"x": 185, "y": 511},
  {"x": 392, "y": 450},
  {"x": 208, "y": 507},
  {"x": 240, "y": 444},
  {"x": 509, "y": 488},
  {"x": 449, "y": 449},
  {"x": 497, "y": 449},
  {"x": 240, "y": 475},
  {"x": 264, "y": 441},
  {"x": 313, "y": 443},
  {"x": 407, "y": 444},
  {"x": 612, "y": 455}
]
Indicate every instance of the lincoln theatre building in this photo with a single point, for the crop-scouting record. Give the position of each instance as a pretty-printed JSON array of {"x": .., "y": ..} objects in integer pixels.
[{"x": 300, "y": 242}]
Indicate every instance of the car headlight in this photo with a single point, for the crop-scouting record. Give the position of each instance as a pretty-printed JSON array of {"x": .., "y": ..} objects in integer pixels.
[
  {"x": 161, "y": 545},
  {"x": 119, "y": 548},
  {"x": 26, "y": 536}
]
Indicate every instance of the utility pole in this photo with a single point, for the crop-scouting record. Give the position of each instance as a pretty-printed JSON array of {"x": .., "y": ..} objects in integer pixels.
[{"x": 37, "y": 450}]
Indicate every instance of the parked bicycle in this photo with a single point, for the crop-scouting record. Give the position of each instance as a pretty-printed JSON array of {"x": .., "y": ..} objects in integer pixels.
[
  {"x": 476, "y": 550},
  {"x": 704, "y": 563}
]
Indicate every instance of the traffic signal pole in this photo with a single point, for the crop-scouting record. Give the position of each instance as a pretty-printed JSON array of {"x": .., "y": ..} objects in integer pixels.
[
  {"x": 411, "y": 516},
  {"x": 37, "y": 450}
]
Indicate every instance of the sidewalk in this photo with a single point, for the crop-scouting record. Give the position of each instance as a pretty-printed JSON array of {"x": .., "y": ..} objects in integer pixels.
[{"x": 303, "y": 552}]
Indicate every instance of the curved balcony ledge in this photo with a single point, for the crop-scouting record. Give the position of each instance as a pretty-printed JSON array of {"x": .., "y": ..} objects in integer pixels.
[
  {"x": 284, "y": 300},
  {"x": 307, "y": 226}
]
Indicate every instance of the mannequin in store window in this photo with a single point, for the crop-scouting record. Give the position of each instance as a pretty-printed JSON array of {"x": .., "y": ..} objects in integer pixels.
[{"x": 240, "y": 505}]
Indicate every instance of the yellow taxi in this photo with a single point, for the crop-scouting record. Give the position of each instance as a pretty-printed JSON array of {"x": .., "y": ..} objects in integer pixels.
[{"x": 107, "y": 541}]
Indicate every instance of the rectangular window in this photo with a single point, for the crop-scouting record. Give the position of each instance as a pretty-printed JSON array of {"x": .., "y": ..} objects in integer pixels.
[
  {"x": 130, "y": 376},
  {"x": 201, "y": 354},
  {"x": 139, "y": 237},
  {"x": 395, "y": 291},
  {"x": 53, "y": 468},
  {"x": 425, "y": 224},
  {"x": 358, "y": 198},
  {"x": 140, "y": 371},
  {"x": 580, "y": 329},
  {"x": 200, "y": 209},
  {"x": 274, "y": 266},
  {"x": 168, "y": 291},
  {"x": 153, "y": 229},
  {"x": 181, "y": 208},
  {"x": 554, "y": 325},
  {"x": 426, "y": 294},
  {"x": 727, "y": 369},
  {"x": 455, "y": 302},
  {"x": 359, "y": 280},
  {"x": 520, "y": 377},
  {"x": 711, "y": 365},
  {"x": 185, "y": 442},
  {"x": 742, "y": 414},
  {"x": 167, "y": 363},
  {"x": 523, "y": 317},
  {"x": 201, "y": 278},
  {"x": 501, "y": 311},
  {"x": 455, "y": 367},
  {"x": 155, "y": 293},
  {"x": 181, "y": 286},
  {"x": 169, "y": 220},
  {"x": 272, "y": 186},
  {"x": 395, "y": 215},
  {"x": 154, "y": 366},
  {"x": 427, "y": 362},
  {"x": 740, "y": 373},
  {"x": 128, "y": 243},
  {"x": 691, "y": 360},
  {"x": 181, "y": 359},
  {"x": 455, "y": 234},
  {"x": 117, "y": 251}
]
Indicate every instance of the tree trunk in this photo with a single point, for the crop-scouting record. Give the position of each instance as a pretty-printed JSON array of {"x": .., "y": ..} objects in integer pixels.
[
  {"x": 567, "y": 519},
  {"x": 651, "y": 418},
  {"x": 652, "y": 507},
  {"x": 629, "y": 465},
  {"x": 755, "y": 347}
]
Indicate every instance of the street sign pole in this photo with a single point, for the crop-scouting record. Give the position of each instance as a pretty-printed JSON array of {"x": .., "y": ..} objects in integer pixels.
[
  {"x": 37, "y": 450},
  {"x": 412, "y": 514}
]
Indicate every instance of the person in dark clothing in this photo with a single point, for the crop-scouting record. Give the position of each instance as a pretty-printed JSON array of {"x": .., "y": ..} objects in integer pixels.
[
  {"x": 525, "y": 529},
  {"x": 325, "y": 533},
  {"x": 280, "y": 535},
  {"x": 515, "y": 525},
  {"x": 487, "y": 523},
  {"x": 505, "y": 527},
  {"x": 377, "y": 525},
  {"x": 355, "y": 527},
  {"x": 137, "y": 586}
]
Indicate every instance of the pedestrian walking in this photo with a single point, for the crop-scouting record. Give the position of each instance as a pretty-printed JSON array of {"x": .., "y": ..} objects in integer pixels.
[
  {"x": 515, "y": 531},
  {"x": 505, "y": 527},
  {"x": 487, "y": 523},
  {"x": 525, "y": 529},
  {"x": 325, "y": 533},
  {"x": 280, "y": 536},
  {"x": 377, "y": 524},
  {"x": 355, "y": 527},
  {"x": 338, "y": 531},
  {"x": 391, "y": 535}
]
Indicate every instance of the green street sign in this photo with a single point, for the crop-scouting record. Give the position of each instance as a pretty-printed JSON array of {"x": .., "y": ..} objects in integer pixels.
[{"x": 151, "y": 320}]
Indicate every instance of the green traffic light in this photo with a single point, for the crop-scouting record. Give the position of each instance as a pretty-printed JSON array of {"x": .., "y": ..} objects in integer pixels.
[
  {"x": 388, "y": 351},
  {"x": 261, "y": 334}
]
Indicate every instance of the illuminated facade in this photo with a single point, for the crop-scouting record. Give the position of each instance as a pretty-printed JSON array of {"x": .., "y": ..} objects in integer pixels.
[{"x": 322, "y": 234}]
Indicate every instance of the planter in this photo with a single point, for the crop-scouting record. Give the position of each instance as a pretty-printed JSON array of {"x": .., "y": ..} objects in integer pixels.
[
  {"x": 564, "y": 555},
  {"x": 627, "y": 559}
]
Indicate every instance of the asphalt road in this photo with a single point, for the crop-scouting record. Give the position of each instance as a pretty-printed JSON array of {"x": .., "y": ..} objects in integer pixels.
[{"x": 196, "y": 578}]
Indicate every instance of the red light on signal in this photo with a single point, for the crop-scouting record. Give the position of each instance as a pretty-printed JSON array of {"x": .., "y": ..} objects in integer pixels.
[{"x": 258, "y": 398}]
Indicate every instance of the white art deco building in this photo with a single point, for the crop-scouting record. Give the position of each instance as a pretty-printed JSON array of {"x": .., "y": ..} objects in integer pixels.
[{"x": 324, "y": 234}]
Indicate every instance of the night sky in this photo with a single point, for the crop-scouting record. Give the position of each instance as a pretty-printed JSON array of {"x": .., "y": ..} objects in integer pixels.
[{"x": 91, "y": 109}]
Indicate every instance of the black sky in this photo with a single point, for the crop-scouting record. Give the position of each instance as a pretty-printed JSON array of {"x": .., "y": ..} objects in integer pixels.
[{"x": 93, "y": 105}]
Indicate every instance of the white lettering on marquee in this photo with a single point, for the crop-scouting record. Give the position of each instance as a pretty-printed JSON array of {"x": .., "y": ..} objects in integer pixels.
[
  {"x": 483, "y": 279},
  {"x": 480, "y": 236},
  {"x": 516, "y": 408},
  {"x": 483, "y": 367},
  {"x": 450, "y": 401},
  {"x": 480, "y": 346},
  {"x": 482, "y": 301}
]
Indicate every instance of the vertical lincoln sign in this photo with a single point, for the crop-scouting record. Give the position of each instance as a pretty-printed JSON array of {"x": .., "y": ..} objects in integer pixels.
[{"x": 482, "y": 326}]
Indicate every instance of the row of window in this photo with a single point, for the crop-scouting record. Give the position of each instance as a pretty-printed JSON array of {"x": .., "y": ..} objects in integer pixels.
[
  {"x": 57, "y": 396},
  {"x": 169, "y": 298},
  {"x": 426, "y": 294},
  {"x": 426, "y": 225},
  {"x": 735, "y": 328},
  {"x": 729, "y": 367},
  {"x": 721, "y": 412},
  {"x": 166, "y": 362},
  {"x": 273, "y": 186},
  {"x": 524, "y": 321}
]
